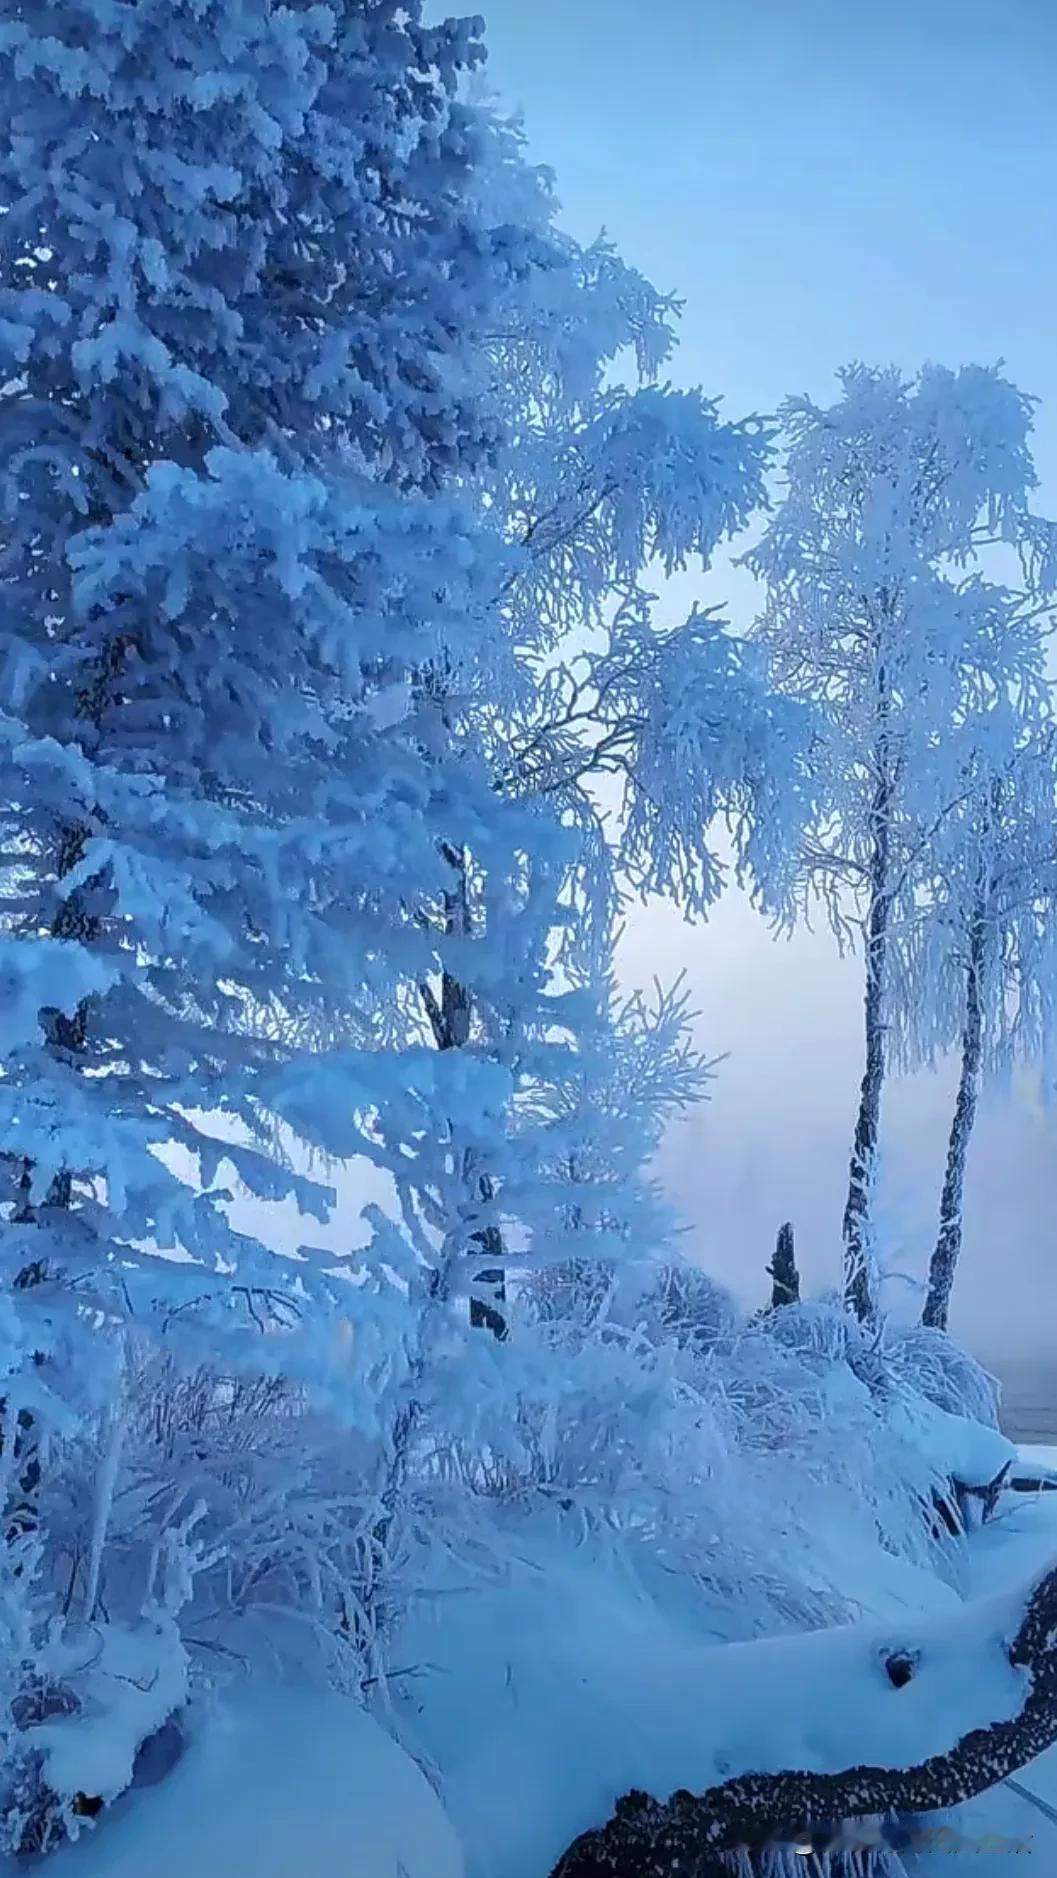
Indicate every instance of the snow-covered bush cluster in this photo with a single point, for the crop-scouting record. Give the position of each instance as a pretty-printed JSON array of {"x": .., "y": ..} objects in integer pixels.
[{"x": 338, "y": 718}]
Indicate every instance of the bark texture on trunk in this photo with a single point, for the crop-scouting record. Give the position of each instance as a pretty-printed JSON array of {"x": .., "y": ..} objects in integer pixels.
[
  {"x": 858, "y": 1294},
  {"x": 948, "y": 1246},
  {"x": 449, "y": 1019},
  {"x": 684, "y": 1836}
]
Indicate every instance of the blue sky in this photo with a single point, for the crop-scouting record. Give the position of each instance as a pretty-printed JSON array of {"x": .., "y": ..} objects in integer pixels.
[{"x": 819, "y": 182}]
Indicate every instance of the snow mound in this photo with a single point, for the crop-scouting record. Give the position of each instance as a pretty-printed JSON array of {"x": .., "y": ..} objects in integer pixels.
[
  {"x": 547, "y": 1697},
  {"x": 1038, "y": 1454},
  {"x": 964, "y": 1450},
  {"x": 933, "y": 1363},
  {"x": 128, "y": 1680},
  {"x": 283, "y": 1782}
]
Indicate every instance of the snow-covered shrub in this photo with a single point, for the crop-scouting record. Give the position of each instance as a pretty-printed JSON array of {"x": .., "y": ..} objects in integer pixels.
[
  {"x": 820, "y": 1330},
  {"x": 101, "y": 1691},
  {"x": 571, "y": 1290},
  {"x": 746, "y": 1472},
  {"x": 668, "y": 1300},
  {"x": 815, "y": 1433},
  {"x": 683, "y": 1302},
  {"x": 934, "y": 1363},
  {"x": 268, "y": 1501}
]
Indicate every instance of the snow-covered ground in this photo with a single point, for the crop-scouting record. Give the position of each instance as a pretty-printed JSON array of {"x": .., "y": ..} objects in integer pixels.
[
  {"x": 593, "y": 1692},
  {"x": 289, "y": 1784},
  {"x": 1043, "y": 1456},
  {"x": 564, "y": 1689},
  {"x": 536, "y": 1703},
  {"x": 1015, "y": 1544}
]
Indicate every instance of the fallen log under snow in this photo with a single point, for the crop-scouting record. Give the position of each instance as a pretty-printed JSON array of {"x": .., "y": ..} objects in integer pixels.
[{"x": 885, "y": 1724}]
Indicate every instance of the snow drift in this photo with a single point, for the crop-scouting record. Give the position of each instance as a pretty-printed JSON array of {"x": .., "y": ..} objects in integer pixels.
[{"x": 284, "y": 1781}]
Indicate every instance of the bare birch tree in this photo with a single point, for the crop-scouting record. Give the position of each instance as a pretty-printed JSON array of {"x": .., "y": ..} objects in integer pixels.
[
  {"x": 877, "y": 614},
  {"x": 978, "y": 973}
]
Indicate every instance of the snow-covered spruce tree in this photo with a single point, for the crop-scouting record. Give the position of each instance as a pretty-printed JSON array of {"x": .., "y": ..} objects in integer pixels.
[
  {"x": 587, "y": 489},
  {"x": 252, "y": 289},
  {"x": 877, "y": 614},
  {"x": 612, "y": 1118},
  {"x": 244, "y": 287},
  {"x": 602, "y": 478},
  {"x": 590, "y": 486},
  {"x": 608, "y": 1118}
]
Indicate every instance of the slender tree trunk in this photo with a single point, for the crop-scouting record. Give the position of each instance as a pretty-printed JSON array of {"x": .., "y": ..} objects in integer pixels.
[
  {"x": 857, "y": 1289},
  {"x": 949, "y": 1241},
  {"x": 449, "y": 1017}
]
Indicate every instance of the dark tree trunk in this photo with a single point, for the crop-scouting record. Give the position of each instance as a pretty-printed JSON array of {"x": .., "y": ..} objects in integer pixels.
[
  {"x": 449, "y": 1018},
  {"x": 684, "y": 1836},
  {"x": 488, "y": 1293},
  {"x": 949, "y": 1241},
  {"x": 785, "y": 1279},
  {"x": 857, "y": 1287}
]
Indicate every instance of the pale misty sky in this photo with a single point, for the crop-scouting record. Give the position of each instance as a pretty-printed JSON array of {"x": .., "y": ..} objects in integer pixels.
[{"x": 819, "y": 182}]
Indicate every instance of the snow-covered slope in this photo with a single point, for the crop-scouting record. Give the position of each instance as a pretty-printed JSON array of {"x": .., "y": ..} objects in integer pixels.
[
  {"x": 544, "y": 1695},
  {"x": 286, "y": 1783},
  {"x": 547, "y": 1700},
  {"x": 1020, "y": 1540}
]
